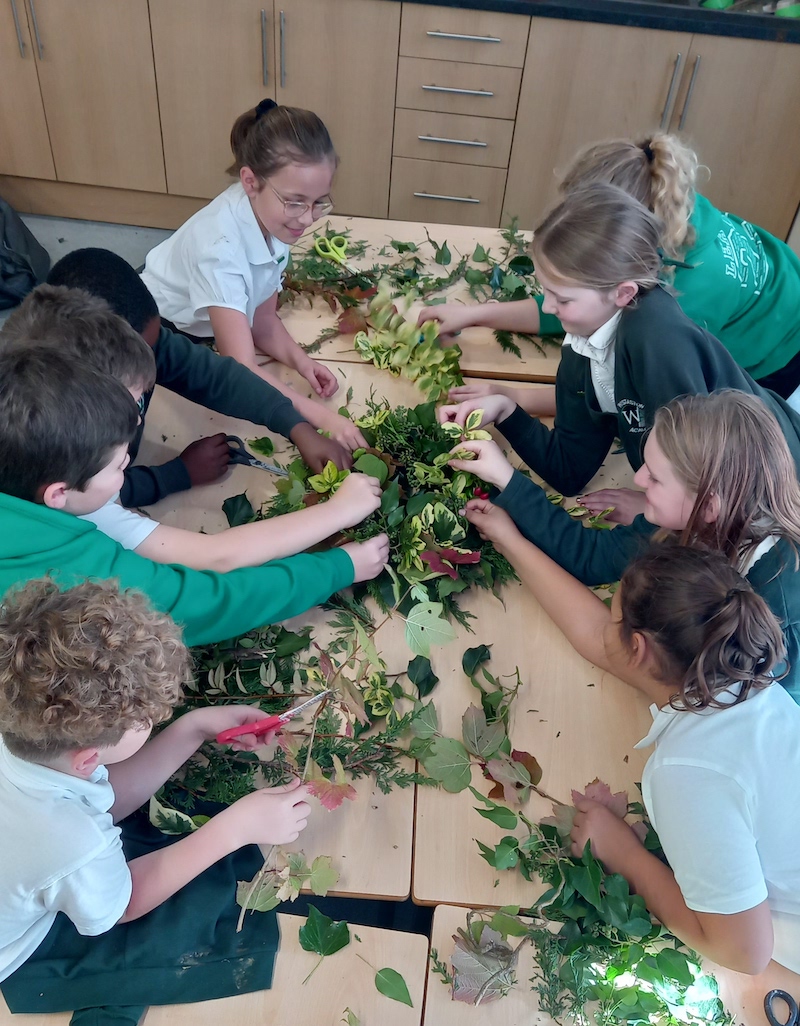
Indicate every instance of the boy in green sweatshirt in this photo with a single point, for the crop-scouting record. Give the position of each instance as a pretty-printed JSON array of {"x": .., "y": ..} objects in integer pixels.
[{"x": 64, "y": 433}]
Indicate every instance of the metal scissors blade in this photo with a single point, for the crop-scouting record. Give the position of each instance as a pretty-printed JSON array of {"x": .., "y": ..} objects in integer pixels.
[
  {"x": 297, "y": 709},
  {"x": 239, "y": 454},
  {"x": 270, "y": 722}
]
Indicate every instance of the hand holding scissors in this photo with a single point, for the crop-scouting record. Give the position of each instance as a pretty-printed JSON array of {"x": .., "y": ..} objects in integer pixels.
[
  {"x": 334, "y": 249},
  {"x": 239, "y": 454},
  {"x": 270, "y": 722}
]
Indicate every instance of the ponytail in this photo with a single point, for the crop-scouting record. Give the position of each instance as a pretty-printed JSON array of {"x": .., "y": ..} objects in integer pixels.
[
  {"x": 660, "y": 172},
  {"x": 709, "y": 630},
  {"x": 270, "y": 136}
]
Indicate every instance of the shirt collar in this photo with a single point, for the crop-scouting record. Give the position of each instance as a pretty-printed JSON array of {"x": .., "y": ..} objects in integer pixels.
[
  {"x": 665, "y": 716},
  {"x": 258, "y": 248},
  {"x": 33, "y": 778},
  {"x": 597, "y": 346}
]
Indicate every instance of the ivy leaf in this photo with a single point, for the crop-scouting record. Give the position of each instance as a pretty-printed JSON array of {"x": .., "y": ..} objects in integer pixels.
[
  {"x": 425, "y": 722},
  {"x": 238, "y": 510},
  {"x": 449, "y": 763},
  {"x": 262, "y": 446},
  {"x": 421, "y": 675},
  {"x": 323, "y": 876},
  {"x": 425, "y": 627},
  {"x": 391, "y": 984},
  {"x": 480, "y": 738},
  {"x": 322, "y": 935},
  {"x": 475, "y": 657},
  {"x": 479, "y": 255},
  {"x": 599, "y": 792},
  {"x": 372, "y": 467}
]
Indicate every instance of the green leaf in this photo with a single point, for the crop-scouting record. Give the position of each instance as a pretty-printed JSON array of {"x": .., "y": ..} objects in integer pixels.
[
  {"x": 443, "y": 255},
  {"x": 521, "y": 265},
  {"x": 500, "y": 816},
  {"x": 508, "y": 925},
  {"x": 238, "y": 510},
  {"x": 170, "y": 821},
  {"x": 675, "y": 966},
  {"x": 391, "y": 984},
  {"x": 372, "y": 466},
  {"x": 449, "y": 763},
  {"x": 425, "y": 722},
  {"x": 425, "y": 627},
  {"x": 390, "y": 500},
  {"x": 506, "y": 854},
  {"x": 288, "y": 642},
  {"x": 475, "y": 657},
  {"x": 419, "y": 501},
  {"x": 322, "y": 935},
  {"x": 264, "y": 898},
  {"x": 262, "y": 446},
  {"x": 481, "y": 738},
  {"x": 479, "y": 255},
  {"x": 473, "y": 276},
  {"x": 421, "y": 675},
  {"x": 323, "y": 876}
]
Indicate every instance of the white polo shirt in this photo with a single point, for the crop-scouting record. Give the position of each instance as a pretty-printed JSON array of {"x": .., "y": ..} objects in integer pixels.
[
  {"x": 722, "y": 790},
  {"x": 598, "y": 348},
  {"x": 219, "y": 257},
  {"x": 60, "y": 853},
  {"x": 125, "y": 526}
]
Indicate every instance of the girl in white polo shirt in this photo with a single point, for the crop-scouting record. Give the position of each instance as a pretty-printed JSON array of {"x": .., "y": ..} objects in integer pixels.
[{"x": 219, "y": 275}]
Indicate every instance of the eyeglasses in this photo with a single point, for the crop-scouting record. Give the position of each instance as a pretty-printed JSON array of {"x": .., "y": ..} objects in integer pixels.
[
  {"x": 140, "y": 404},
  {"x": 294, "y": 208}
]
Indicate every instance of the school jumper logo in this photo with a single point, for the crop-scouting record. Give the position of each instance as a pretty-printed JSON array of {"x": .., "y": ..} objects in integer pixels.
[{"x": 633, "y": 414}]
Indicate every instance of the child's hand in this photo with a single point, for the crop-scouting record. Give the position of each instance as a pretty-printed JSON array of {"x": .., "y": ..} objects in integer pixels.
[
  {"x": 343, "y": 430},
  {"x": 207, "y": 459},
  {"x": 493, "y": 524},
  {"x": 213, "y": 720},
  {"x": 317, "y": 450},
  {"x": 612, "y": 839},
  {"x": 369, "y": 557},
  {"x": 321, "y": 378},
  {"x": 489, "y": 465},
  {"x": 357, "y": 496},
  {"x": 495, "y": 409},
  {"x": 452, "y": 317},
  {"x": 627, "y": 503},
  {"x": 476, "y": 389},
  {"x": 270, "y": 815}
]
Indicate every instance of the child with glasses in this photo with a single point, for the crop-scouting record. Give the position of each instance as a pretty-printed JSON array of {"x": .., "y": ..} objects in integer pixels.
[{"x": 219, "y": 275}]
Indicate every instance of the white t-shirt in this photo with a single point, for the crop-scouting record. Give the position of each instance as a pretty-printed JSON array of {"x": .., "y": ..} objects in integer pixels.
[
  {"x": 722, "y": 790},
  {"x": 60, "y": 853},
  {"x": 125, "y": 526},
  {"x": 599, "y": 349},
  {"x": 219, "y": 257}
]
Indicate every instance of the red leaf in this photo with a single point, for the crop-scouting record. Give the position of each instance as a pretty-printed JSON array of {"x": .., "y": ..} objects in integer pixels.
[
  {"x": 496, "y": 792},
  {"x": 325, "y": 664},
  {"x": 599, "y": 792},
  {"x": 331, "y": 795},
  {"x": 452, "y": 556},
  {"x": 434, "y": 560},
  {"x": 359, "y": 293},
  {"x": 352, "y": 320},
  {"x": 530, "y": 764}
]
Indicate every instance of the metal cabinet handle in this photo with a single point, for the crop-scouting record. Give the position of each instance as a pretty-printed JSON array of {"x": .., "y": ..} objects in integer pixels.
[
  {"x": 671, "y": 91},
  {"x": 38, "y": 38},
  {"x": 453, "y": 199},
  {"x": 460, "y": 92},
  {"x": 456, "y": 142},
  {"x": 283, "y": 48},
  {"x": 264, "y": 72},
  {"x": 20, "y": 40},
  {"x": 689, "y": 92},
  {"x": 470, "y": 39}
]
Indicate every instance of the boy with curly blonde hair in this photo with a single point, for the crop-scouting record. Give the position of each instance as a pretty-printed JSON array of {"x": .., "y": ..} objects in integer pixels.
[{"x": 91, "y": 914}]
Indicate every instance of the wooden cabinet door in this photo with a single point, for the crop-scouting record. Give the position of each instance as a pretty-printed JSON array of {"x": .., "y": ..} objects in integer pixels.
[
  {"x": 99, "y": 91},
  {"x": 739, "y": 108},
  {"x": 24, "y": 143},
  {"x": 583, "y": 83},
  {"x": 215, "y": 59},
  {"x": 339, "y": 59}
]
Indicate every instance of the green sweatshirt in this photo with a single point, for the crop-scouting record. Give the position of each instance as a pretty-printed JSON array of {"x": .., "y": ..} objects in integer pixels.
[
  {"x": 36, "y": 541},
  {"x": 741, "y": 284}
]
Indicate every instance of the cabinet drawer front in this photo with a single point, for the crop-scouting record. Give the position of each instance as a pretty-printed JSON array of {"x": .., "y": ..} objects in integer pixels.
[
  {"x": 457, "y": 88},
  {"x": 452, "y": 34},
  {"x": 426, "y": 190},
  {"x": 457, "y": 138}
]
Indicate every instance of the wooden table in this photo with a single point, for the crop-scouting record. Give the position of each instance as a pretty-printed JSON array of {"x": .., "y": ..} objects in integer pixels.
[
  {"x": 342, "y": 981},
  {"x": 482, "y": 356}
]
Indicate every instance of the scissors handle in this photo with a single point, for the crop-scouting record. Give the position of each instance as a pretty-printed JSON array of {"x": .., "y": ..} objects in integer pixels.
[
  {"x": 258, "y": 728},
  {"x": 791, "y": 1004}
]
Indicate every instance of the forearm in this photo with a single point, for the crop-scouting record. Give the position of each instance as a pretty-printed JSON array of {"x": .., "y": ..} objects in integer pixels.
[
  {"x": 136, "y": 780},
  {"x": 271, "y": 338},
  {"x": 160, "y": 874},
  {"x": 538, "y": 402},
  {"x": 521, "y": 316}
]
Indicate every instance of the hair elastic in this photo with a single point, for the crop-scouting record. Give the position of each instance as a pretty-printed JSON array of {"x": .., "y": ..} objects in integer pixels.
[
  {"x": 264, "y": 107},
  {"x": 648, "y": 152}
]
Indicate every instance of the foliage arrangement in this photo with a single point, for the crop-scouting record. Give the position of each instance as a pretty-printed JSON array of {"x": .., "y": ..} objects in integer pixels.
[{"x": 595, "y": 947}]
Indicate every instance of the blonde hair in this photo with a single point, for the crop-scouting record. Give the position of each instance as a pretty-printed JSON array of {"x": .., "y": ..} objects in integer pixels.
[
  {"x": 269, "y": 137},
  {"x": 599, "y": 236},
  {"x": 660, "y": 172},
  {"x": 728, "y": 446},
  {"x": 79, "y": 668}
]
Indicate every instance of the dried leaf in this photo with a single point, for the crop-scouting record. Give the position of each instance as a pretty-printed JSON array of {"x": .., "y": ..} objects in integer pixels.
[
  {"x": 352, "y": 320},
  {"x": 484, "y": 969},
  {"x": 513, "y": 776}
]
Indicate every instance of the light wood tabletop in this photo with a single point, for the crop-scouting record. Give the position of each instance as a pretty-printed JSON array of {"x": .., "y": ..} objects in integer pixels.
[
  {"x": 481, "y": 354},
  {"x": 342, "y": 981}
]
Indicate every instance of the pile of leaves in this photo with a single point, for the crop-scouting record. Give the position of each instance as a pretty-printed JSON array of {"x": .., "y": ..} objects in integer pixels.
[{"x": 595, "y": 947}]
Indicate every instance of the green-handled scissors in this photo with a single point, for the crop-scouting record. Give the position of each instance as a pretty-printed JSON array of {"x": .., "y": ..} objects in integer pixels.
[{"x": 334, "y": 248}]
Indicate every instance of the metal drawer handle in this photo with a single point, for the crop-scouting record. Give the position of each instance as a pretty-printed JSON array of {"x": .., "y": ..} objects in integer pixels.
[
  {"x": 470, "y": 39},
  {"x": 283, "y": 48},
  {"x": 20, "y": 40},
  {"x": 460, "y": 92},
  {"x": 453, "y": 199},
  {"x": 456, "y": 142},
  {"x": 38, "y": 38},
  {"x": 689, "y": 92},
  {"x": 671, "y": 91},
  {"x": 265, "y": 75}
]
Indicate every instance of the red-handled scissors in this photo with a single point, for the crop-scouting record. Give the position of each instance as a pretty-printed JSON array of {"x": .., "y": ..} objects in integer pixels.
[{"x": 270, "y": 722}]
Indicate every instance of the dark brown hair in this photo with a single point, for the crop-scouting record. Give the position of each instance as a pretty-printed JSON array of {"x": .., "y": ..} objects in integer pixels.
[
  {"x": 710, "y": 629},
  {"x": 79, "y": 668},
  {"x": 266, "y": 139},
  {"x": 60, "y": 420},
  {"x": 85, "y": 326}
]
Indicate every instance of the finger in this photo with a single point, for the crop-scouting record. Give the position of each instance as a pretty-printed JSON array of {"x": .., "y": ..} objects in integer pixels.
[
  {"x": 360, "y": 440},
  {"x": 345, "y": 460},
  {"x": 447, "y": 414},
  {"x": 293, "y": 784}
]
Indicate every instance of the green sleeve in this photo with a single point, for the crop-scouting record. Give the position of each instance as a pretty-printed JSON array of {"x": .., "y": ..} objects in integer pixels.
[{"x": 549, "y": 324}]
